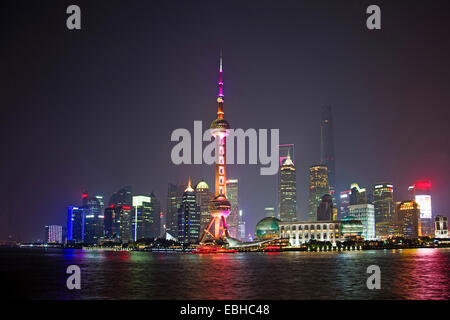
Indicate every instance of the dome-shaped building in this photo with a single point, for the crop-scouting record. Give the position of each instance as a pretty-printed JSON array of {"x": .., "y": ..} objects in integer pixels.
[{"x": 267, "y": 228}]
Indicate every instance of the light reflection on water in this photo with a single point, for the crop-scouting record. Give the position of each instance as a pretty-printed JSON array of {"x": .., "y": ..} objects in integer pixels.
[{"x": 405, "y": 274}]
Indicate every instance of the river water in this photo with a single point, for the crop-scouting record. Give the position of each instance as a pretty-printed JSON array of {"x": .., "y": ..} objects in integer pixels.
[{"x": 405, "y": 274}]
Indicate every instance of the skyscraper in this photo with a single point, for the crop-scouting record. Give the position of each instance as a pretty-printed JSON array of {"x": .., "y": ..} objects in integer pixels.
[
  {"x": 118, "y": 216},
  {"x": 233, "y": 197},
  {"x": 344, "y": 202},
  {"x": 421, "y": 193},
  {"x": 174, "y": 195},
  {"x": 269, "y": 212},
  {"x": 241, "y": 226},
  {"x": 288, "y": 191},
  {"x": 407, "y": 216},
  {"x": 220, "y": 206},
  {"x": 318, "y": 187},
  {"x": 366, "y": 214},
  {"x": 327, "y": 148},
  {"x": 75, "y": 224},
  {"x": 145, "y": 218},
  {"x": 188, "y": 217},
  {"x": 203, "y": 197},
  {"x": 357, "y": 195},
  {"x": 53, "y": 234},
  {"x": 383, "y": 200},
  {"x": 94, "y": 218},
  {"x": 325, "y": 208}
]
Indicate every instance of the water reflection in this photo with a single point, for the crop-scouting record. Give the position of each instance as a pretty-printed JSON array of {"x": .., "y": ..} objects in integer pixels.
[{"x": 405, "y": 274}]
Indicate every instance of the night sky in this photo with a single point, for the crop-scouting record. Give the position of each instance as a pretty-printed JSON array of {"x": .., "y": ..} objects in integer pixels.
[{"x": 94, "y": 109}]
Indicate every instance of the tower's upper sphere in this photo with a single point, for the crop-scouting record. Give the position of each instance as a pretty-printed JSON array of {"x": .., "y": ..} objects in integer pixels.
[
  {"x": 220, "y": 124},
  {"x": 220, "y": 206}
]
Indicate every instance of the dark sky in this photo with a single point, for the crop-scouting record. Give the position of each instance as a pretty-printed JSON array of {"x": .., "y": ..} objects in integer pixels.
[{"x": 94, "y": 109}]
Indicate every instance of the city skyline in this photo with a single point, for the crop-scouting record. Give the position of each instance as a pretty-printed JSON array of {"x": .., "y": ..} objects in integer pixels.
[{"x": 74, "y": 147}]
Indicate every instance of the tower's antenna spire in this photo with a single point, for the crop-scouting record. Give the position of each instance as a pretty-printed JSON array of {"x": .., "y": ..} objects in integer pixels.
[{"x": 220, "y": 96}]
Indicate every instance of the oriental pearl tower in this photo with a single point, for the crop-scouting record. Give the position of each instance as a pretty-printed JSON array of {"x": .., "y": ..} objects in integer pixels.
[{"x": 219, "y": 206}]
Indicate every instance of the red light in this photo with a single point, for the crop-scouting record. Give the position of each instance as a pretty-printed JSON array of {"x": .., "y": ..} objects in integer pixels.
[
  {"x": 422, "y": 185},
  {"x": 85, "y": 195},
  {"x": 111, "y": 206},
  {"x": 126, "y": 207}
]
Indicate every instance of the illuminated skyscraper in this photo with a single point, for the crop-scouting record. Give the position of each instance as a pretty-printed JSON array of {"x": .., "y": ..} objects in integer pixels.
[
  {"x": 174, "y": 195},
  {"x": 288, "y": 191},
  {"x": 203, "y": 197},
  {"x": 421, "y": 193},
  {"x": 233, "y": 197},
  {"x": 75, "y": 224},
  {"x": 383, "y": 200},
  {"x": 118, "y": 216},
  {"x": 407, "y": 216},
  {"x": 318, "y": 187},
  {"x": 241, "y": 226},
  {"x": 219, "y": 207},
  {"x": 53, "y": 234},
  {"x": 94, "y": 218},
  {"x": 327, "y": 148},
  {"x": 188, "y": 217},
  {"x": 357, "y": 195},
  {"x": 344, "y": 202},
  {"x": 145, "y": 218}
]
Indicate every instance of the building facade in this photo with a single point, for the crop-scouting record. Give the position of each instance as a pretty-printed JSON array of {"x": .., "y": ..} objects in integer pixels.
[
  {"x": 366, "y": 214},
  {"x": 53, "y": 234},
  {"x": 344, "y": 202},
  {"x": 233, "y": 197},
  {"x": 325, "y": 209},
  {"x": 420, "y": 192},
  {"x": 189, "y": 217},
  {"x": 75, "y": 224},
  {"x": 302, "y": 232},
  {"x": 288, "y": 191},
  {"x": 441, "y": 227},
  {"x": 318, "y": 187},
  {"x": 94, "y": 219},
  {"x": 408, "y": 214},
  {"x": 203, "y": 197},
  {"x": 383, "y": 201},
  {"x": 327, "y": 149}
]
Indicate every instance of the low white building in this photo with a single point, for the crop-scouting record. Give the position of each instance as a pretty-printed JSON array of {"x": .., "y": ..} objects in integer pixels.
[
  {"x": 441, "y": 227},
  {"x": 366, "y": 214},
  {"x": 301, "y": 232}
]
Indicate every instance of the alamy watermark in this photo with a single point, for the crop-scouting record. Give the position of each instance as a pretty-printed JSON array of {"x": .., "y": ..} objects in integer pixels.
[{"x": 257, "y": 144}]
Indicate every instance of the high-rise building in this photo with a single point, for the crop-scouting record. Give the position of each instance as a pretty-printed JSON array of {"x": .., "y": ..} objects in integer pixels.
[
  {"x": 288, "y": 191},
  {"x": 118, "y": 216},
  {"x": 327, "y": 148},
  {"x": 174, "y": 195},
  {"x": 203, "y": 197},
  {"x": 94, "y": 219},
  {"x": 318, "y": 187},
  {"x": 219, "y": 207},
  {"x": 407, "y": 216},
  {"x": 233, "y": 197},
  {"x": 325, "y": 208},
  {"x": 441, "y": 227},
  {"x": 146, "y": 217},
  {"x": 284, "y": 151},
  {"x": 357, "y": 195},
  {"x": 188, "y": 217},
  {"x": 383, "y": 200},
  {"x": 154, "y": 230},
  {"x": 344, "y": 202},
  {"x": 366, "y": 214},
  {"x": 53, "y": 234},
  {"x": 75, "y": 224},
  {"x": 421, "y": 193},
  {"x": 241, "y": 226},
  {"x": 269, "y": 212}
]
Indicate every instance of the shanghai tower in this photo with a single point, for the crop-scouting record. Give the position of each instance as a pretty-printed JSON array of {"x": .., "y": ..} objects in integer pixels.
[{"x": 327, "y": 148}]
